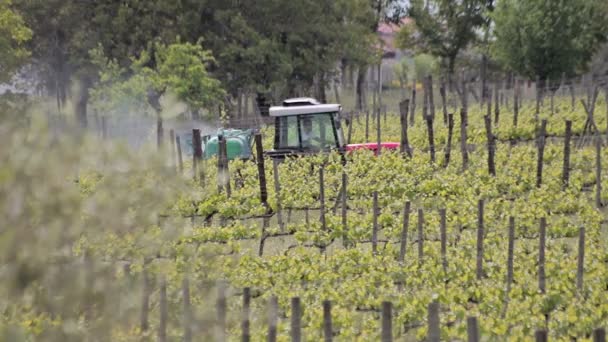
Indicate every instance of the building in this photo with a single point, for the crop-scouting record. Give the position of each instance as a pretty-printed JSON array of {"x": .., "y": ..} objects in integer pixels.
[{"x": 387, "y": 32}]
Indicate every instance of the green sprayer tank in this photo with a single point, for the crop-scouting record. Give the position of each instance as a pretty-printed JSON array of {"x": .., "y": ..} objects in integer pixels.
[{"x": 238, "y": 144}]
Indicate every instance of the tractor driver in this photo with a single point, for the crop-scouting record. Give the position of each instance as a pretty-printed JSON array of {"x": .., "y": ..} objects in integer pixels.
[{"x": 307, "y": 138}]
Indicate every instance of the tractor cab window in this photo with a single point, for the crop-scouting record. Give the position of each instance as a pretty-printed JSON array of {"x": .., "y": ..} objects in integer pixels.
[
  {"x": 288, "y": 132},
  {"x": 306, "y": 132},
  {"x": 317, "y": 131}
]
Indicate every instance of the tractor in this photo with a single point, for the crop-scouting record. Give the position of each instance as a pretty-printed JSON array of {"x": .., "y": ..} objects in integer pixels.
[{"x": 305, "y": 126}]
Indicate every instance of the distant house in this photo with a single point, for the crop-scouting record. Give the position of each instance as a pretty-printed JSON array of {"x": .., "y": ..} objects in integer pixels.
[{"x": 387, "y": 32}]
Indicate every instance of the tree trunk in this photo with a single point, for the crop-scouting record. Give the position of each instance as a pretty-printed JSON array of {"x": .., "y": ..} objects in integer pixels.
[
  {"x": 319, "y": 88},
  {"x": 343, "y": 78},
  {"x": 154, "y": 101},
  {"x": 239, "y": 104},
  {"x": 196, "y": 114},
  {"x": 83, "y": 101},
  {"x": 359, "y": 104},
  {"x": 484, "y": 77},
  {"x": 451, "y": 66}
]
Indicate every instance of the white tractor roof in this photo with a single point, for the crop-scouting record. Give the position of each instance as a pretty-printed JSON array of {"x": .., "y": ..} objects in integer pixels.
[
  {"x": 308, "y": 109},
  {"x": 300, "y": 101}
]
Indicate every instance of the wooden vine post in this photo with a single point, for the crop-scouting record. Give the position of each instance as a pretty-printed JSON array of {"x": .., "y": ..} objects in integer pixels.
[
  {"x": 606, "y": 100},
  {"x": 180, "y": 160},
  {"x": 491, "y": 144},
  {"x": 510, "y": 252},
  {"x": 277, "y": 190},
  {"x": 413, "y": 111},
  {"x": 259, "y": 151},
  {"x": 378, "y": 122},
  {"x": 580, "y": 270},
  {"x": 173, "y": 154},
  {"x": 515, "y": 103},
  {"x": 328, "y": 332},
  {"x": 375, "y": 224},
  {"x": 541, "y": 153},
  {"x": 480, "y": 236},
  {"x": 420, "y": 235},
  {"x": 541, "y": 255},
  {"x": 246, "y": 324},
  {"x": 590, "y": 126},
  {"x": 187, "y": 310},
  {"x": 387, "y": 322},
  {"x": 443, "y": 237},
  {"x": 162, "y": 324},
  {"x": 145, "y": 299},
  {"x": 539, "y": 90},
  {"x": 599, "y": 335},
  {"x": 598, "y": 172},
  {"x": 429, "y": 125},
  {"x": 511, "y": 249},
  {"x": 540, "y": 335},
  {"x": 406, "y": 223},
  {"x": 448, "y": 146},
  {"x": 472, "y": 329},
  {"x": 223, "y": 180},
  {"x": 566, "y": 167},
  {"x": 403, "y": 111},
  {"x": 442, "y": 93},
  {"x": 322, "y": 201},
  {"x": 344, "y": 210},
  {"x": 273, "y": 318},
  {"x": 221, "y": 307},
  {"x": 160, "y": 132},
  {"x": 463, "y": 138},
  {"x": 496, "y": 103},
  {"x": 434, "y": 331},
  {"x": 296, "y": 320},
  {"x": 197, "y": 155},
  {"x": 431, "y": 96}
]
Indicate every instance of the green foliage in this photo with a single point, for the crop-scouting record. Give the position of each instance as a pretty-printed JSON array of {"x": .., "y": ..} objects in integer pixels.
[
  {"x": 425, "y": 65},
  {"x": 180, "y": 70},
  {"x": 547, "y": 38},
  {"x": 120, "y": 91},
  {"x": 13, "y": 35},
  {"x": 443, "y": 28},
  {"x": 402, "y": 70},
  {"x": 270, "y": 46},
  {"x": 85, "y": 220},
  {"x": 285, "y": 45}
]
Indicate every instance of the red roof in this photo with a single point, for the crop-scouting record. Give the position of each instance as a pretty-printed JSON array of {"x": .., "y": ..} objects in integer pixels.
[
  {"x": 391, "y": 28},
  {"x": 387, "y": 33}
]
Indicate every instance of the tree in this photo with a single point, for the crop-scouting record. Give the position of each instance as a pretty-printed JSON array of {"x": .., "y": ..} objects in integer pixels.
[
  {"x": 180, "y": 70},
  {"x": 65, "y": 31},
  {"x": 62, "y": 37},
  {"x": 402, "y": 70},
  {"x": 375, "y": 12},
  {"x": 549, "y": 38},
  {"x": 443, "y": 28},
  {"x": 282, "y": 47},
  {"x": 425, "y": 65},
  {"x": 13, "y": 35}
]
